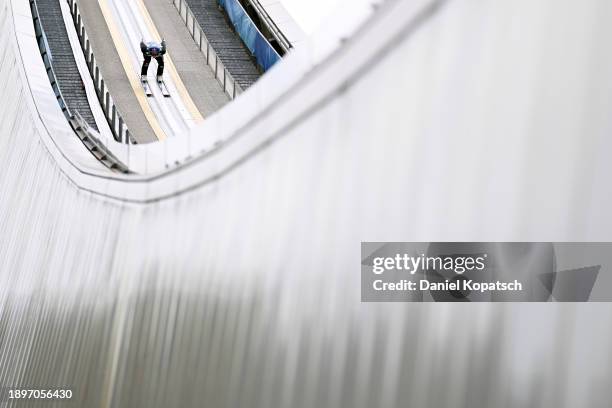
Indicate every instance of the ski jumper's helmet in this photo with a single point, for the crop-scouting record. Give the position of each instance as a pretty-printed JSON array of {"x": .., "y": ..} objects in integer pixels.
[{"x": 154, "y": 48}]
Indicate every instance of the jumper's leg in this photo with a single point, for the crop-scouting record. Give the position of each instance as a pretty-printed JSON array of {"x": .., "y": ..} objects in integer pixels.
[
  {"x": 145, "y": 66},
  {"x": 160, "y": 67}
]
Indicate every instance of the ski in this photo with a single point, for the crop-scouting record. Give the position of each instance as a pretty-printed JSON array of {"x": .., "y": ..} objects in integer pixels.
[
  {"x": 145, "y": 84},
  {"x": 163, "y": 88}
]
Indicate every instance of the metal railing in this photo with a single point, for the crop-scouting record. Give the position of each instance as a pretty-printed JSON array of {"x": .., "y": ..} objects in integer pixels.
[
  {"x": 227, "y": 81},
  {"x": 257, "y": 43},
  {"x": 282, "y": 40},
  {"x": 115, "y": 121},
  {"x": 76, "y": 121}
]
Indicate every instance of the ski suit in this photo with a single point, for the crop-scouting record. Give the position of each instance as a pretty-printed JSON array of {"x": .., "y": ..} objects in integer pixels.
[{"x": 155, "y": 50}]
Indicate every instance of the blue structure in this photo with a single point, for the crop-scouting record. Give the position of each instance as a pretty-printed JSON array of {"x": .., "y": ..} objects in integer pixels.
[{"x": 259, "y": 46}]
